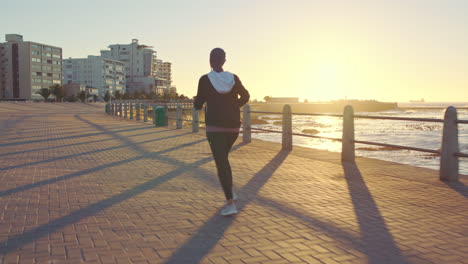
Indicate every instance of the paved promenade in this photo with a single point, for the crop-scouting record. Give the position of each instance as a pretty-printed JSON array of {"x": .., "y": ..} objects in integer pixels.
[{"x": 79, "y": 186}]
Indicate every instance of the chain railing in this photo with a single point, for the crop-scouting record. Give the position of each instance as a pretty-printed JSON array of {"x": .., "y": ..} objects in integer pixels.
[{"x": 449, "y": 152}]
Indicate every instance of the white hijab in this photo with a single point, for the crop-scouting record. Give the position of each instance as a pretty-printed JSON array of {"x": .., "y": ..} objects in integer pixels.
[{"x": 222, "y": 81}]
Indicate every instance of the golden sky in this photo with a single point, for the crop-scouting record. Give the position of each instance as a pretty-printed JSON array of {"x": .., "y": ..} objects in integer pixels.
[{"x": 317, "y": 50}]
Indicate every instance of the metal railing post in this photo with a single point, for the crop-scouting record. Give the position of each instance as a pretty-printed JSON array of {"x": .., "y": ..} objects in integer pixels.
[
  {"x": 347, "y": 143},
  {"x": 131, "y": 111},
  {"x": 246, "y": 125},
  {"x": 138, "y": 108},
  {"x": 120, "y": 109},
  {"x": 145, "y": 113},
  {"x": 179, "y": 116},
  {"x": 448, "y": 161},
  {"x": 112, "y": 109},
  {"x": 194, "y": 120},
  {"x": 287, "y": 128},
  {"x": 125, "y": 110}
]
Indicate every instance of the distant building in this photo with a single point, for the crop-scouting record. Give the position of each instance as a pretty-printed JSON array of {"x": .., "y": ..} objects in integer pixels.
[
  {"x": 26, "y": 67},
  {"x": 140, "y": 64},
  {"x": 164, "y": 73},
  {"x": 105, "y": 75},
  {"x": 143, "y": 70},
  {"x": 284, "y": 100}
]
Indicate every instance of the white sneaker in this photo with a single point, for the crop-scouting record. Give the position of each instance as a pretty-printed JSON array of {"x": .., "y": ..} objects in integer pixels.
[
  {"x": 234, "y": 196},
  {"x": 229, "y": 209}
]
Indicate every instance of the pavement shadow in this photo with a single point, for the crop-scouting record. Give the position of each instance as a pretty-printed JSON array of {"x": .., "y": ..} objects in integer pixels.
[
  {"x": 198, "y": 246},
  {"x": 67, "y": 137},
  {"x": 377, "y": 241},
  {"x": 77, "y": 144},
  {"x": 459, "y": 187},
  {"x": 91, "y": 170},
  {"x": 128, "y": 144},
  {"x": 15, "y": 242}
]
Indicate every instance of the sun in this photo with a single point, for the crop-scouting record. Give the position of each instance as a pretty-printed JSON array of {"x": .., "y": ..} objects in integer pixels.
[{"x": 327, "y": 81}]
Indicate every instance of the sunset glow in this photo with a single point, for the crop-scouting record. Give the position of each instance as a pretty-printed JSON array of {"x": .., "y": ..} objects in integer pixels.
[{"x": 315, "y": 50}]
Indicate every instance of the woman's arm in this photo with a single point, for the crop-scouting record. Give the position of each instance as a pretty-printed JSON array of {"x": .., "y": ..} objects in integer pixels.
[
  {"x": 243, "y": 93},
  {"x": 200, "y": 99}
]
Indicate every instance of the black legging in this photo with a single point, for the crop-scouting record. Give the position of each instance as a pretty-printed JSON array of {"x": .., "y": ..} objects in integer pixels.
[{"x": 220, "y": 144}]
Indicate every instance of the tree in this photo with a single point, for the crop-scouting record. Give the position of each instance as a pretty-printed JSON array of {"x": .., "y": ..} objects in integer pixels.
[
  {"x": 143, "y": 94},
  {"x": 107, "y": 97},
  {"x": 83, "y": 95},
  {"x": 152, "y": 95},
  {"x": 267, "y": 99},
  {"x": 58, "y": 91},
  {"x": 136, "y": 94},
  {"x": 118, "y": 95},
  {"x": 44, "y": 92},
  {"x": 126, "y": 96}
]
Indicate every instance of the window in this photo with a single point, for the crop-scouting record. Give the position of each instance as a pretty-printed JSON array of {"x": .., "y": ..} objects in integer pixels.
[
  {"x": 34, "y": 46},
  {"x": 35, "y": 53},
  {"x": 46, "y": 68},
  {"x": 49, "y": 61},
  {"x": 36, "y": 60},
  {"x": 57, "y": 81},
  {"x": 68, "y": 66}
]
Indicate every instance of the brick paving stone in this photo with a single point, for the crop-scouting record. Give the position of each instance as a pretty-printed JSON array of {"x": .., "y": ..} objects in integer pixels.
[{"x": 77, "y": 185}]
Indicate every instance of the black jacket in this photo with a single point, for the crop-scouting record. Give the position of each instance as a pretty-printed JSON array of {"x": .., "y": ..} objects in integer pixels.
[{"x": 223, "y": 110}]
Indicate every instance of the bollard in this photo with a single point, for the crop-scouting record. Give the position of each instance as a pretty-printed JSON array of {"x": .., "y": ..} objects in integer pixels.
[
  {"x": 125, "y": 110},
  {"x": 120, "y": 109},
  {"x": 194, "y": 120},
  {"x": 246, "y": 125},
  {"x": 287, "y": 128},
  {"x": 448, "y": 161},
  {"x": 131, "y": 111},
  {"x": 145, "y": 113},
  {"x": 138, "y": 107},
  {"x": 179, "y": 116},
  {"x": 347, "y": 143}
]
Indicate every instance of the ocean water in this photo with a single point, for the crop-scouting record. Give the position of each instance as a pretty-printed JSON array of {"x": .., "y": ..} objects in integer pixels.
[{"x": 406, "y": 133}]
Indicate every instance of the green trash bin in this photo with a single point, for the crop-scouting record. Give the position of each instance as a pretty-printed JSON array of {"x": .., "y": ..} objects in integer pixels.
[{"x": 160, "y": 116}]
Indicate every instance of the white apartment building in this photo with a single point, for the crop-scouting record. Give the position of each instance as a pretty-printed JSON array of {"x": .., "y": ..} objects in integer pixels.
[
  {"x": 163, "y": 72},
  {"x": 26, "y": 67},
  {"x": 96, "y": 72},
  {"x": 140, "y": 64}
]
